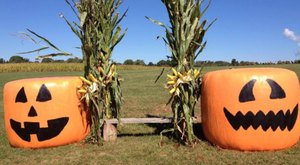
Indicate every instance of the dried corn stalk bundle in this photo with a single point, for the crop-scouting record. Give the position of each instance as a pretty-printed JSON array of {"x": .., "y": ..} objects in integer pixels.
[
  {"x": 185, "y": 39},
  {"x": 99, "y": 32}
]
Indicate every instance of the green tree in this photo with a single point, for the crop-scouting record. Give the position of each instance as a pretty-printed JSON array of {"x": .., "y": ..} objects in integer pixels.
[
  {"x": 221, "y": 63},
  {"x": 234, "y": 62},
  {"x": 139, "y": 62},
  {"x": 17, "y": 59},
  {"x": 162, "y": 63},
  {"x": 74, "y": 60},
  {"x": 59, "y": 61},
  {"x": 150, "y": 64},
  {"x": 129, "y": 62},
  {"x": 47, "y": 60},
  {"x": 2, "y": 61}
]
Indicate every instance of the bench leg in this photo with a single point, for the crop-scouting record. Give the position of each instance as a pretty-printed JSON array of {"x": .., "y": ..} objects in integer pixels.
[{"x": 109, "y": 132}]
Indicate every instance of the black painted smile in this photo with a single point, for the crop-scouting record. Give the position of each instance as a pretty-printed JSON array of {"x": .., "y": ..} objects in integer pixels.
[
  {"x": 55, "y": 126},
  {"x": 281, "y": 119}
]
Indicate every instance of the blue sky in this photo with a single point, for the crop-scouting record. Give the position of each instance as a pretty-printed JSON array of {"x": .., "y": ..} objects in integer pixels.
[{"x": 248, "y": 30}]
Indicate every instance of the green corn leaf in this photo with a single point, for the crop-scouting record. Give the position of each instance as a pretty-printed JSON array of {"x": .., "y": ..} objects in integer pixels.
[
  {"x": 82, "y": 18},
  {"x": 122, "y": 17},
  {"x": 211, "y": 24},
  {"x": 205, "y": 9},
  {"x": 116, "y": 35},
  {"x": 71, "y": 6},
  {"x": 175, "y": 107},
  {"x": 76, "y": 25},
  {"x": 53, "y": 55},
  {"x": 156, "y": 22},
  {"x": 167, "y": 42},
  {"x": 119, "y": 39},
  {"x": 75, "y": 31},
  {"x": 44, "y": 39},
  {"x": 33, "y": 51},
  {"x": 200, "y": 50},
  {"x": 114, "y": 20},
  {"x": 28, "y": 36},
  {"x": 109, "y": 5}
]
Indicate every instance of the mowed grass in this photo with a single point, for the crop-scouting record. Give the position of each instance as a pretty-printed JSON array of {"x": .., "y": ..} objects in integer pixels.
[{"x": 137, "y": 143}]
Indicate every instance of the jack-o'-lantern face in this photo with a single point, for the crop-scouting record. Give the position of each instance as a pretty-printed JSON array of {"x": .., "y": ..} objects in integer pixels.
[
  {"x": 284, "y": 119},
  {"x": 43, "y": 112},
  {"x": 55, "y": 126},
  {"x": 251, "y": 109}
]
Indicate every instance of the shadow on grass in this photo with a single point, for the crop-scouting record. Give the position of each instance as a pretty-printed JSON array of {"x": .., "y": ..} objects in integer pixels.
[{"x": 159, "y": 127}]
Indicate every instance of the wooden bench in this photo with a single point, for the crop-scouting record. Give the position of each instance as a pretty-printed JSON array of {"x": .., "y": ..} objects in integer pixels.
[{"x": 110, "y": 131}]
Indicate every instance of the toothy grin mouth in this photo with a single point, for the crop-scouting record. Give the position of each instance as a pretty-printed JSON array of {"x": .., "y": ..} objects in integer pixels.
[
  {"x": 281, "y": 119},
  {"x": 55, "y": 126}
]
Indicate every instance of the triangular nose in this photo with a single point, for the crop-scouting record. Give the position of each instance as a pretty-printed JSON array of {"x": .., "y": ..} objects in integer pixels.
[{"x": 32, "y": 112}]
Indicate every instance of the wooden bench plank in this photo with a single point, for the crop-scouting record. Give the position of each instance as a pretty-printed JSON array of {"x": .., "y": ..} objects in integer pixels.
[
  {"x": 110, "y": 131},
  {"x": 145, "y": 120}
]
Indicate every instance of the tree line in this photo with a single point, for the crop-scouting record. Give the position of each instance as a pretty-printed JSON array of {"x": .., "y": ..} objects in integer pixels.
[
  {"x": 234, "y": 62},
  {"x": 19, "y": 59}
]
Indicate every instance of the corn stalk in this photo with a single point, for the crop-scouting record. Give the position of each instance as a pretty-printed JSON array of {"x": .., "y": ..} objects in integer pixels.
[
  {"x": 185, "y": 40},
  {"x": 99, "y": 32}
]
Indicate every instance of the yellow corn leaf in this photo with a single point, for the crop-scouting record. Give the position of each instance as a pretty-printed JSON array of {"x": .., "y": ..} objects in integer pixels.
[
  {"x": 196, "y": 73},
  {"x": 171, "y": 82},
  {"x": 82, "y": 91},
  {"x": 112, "y": 68},
  {"x": 85, "y": 80},
  {"x": 171, "y": 77},
  {"x": 180, "y": 75},
  {"x": 101, "y": 70},
  {"x": 92, "y": 78},
  {"x": 189, "y": 72},
  {"x": 87, "y": 100},
  {"x": 174, "y": 71},
  {"x": 173, "y": 90}
]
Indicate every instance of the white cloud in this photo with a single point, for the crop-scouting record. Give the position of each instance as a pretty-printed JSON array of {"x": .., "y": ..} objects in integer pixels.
[{"x": 291, "y": 35}]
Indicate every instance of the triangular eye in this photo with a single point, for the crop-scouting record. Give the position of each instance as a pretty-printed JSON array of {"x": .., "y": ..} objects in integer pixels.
[
  {"x": 246, "y": 93},
  {"x": 44, "y": 94},
  {"x": 277, "y": 91},
  {"x": 21, "y": 96}
]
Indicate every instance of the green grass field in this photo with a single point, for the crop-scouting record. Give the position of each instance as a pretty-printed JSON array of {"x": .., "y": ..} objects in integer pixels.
[{"x": 137, "y": 143}]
